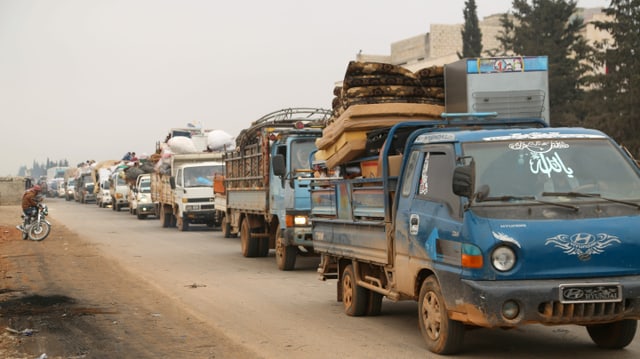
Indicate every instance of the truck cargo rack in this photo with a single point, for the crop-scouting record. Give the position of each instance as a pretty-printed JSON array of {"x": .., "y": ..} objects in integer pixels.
[{"x": 287, "y": 118}]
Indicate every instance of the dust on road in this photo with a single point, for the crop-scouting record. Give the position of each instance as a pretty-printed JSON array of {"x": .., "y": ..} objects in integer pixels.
[{"x": 62, "y": 299}]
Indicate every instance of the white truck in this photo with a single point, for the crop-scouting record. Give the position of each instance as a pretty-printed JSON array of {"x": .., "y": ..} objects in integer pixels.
[
  {"x": 140, "y": 203},
  {"x": 182, "y": 189},
  {"x": 118, "y": 188}
]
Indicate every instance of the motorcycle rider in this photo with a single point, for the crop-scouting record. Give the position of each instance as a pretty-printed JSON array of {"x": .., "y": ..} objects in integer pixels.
[{"x": 30, "y": 203}]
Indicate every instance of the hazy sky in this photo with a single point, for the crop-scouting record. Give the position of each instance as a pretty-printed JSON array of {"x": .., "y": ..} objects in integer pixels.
[{"x": 93, "y": 79}]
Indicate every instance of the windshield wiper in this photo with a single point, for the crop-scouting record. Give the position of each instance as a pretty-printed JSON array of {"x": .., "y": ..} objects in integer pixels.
[
  {"x": 525, "y": 198},
  {"x": 589, "y": 195}
]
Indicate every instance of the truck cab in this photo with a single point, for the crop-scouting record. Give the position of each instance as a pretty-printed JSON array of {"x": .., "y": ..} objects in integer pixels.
[
  {"x": 140, "y": 203},
  {"x": 495, "y": 228},
  {"x": 192, "y": 184},
  {"x": 118, "y": 188}
]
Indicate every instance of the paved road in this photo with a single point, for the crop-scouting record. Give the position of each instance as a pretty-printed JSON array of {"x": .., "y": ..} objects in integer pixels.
[{"x": 288, "y": 314}]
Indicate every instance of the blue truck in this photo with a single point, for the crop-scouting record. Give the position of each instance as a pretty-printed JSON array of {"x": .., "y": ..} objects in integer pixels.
[
  {"x": 266, "y": 198},
  {"x": 490, "y": 227},
  {"x": 490, "y": 222}
]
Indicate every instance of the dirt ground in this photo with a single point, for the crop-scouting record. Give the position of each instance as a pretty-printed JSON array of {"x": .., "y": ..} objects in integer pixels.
[{"x": 60, "y": 299}]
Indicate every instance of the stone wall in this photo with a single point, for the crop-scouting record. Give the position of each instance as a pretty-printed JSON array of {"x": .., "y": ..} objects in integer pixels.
[{"x": 11, "y": 190}]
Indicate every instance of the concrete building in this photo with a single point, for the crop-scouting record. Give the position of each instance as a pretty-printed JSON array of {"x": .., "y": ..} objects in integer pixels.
[
  {"x": 442, "y": 43},
  {"x": 11, "y": 190}
]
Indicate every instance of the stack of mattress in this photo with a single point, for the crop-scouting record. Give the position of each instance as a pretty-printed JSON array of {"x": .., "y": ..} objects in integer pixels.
[{"x": 373, "y": 96}]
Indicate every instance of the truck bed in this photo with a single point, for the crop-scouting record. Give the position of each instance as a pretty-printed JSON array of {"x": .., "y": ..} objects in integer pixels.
[
  {"x": 251, "y": 200},
  {"x": 349, "y": 219}
]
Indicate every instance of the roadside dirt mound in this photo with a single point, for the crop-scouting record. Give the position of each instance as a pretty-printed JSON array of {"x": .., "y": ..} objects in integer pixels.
[{"x": 62, "y": 299}]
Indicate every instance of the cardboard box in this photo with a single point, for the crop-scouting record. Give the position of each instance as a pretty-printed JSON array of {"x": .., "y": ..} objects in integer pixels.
[
  {"x": 395, "y": 162},
  {"x": 369, "y": 169}
]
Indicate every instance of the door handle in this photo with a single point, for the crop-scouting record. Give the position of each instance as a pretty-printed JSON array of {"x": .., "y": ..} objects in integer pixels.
[{"x": 414, "y": 224}]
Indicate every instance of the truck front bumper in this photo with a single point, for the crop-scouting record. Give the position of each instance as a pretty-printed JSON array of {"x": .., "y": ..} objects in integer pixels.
[
  {"x": 200, "y": 217},
  {"x": 146, "y": 208},
  {"x": 298, "y": 236},
  {"x": 493, "y": 303}
]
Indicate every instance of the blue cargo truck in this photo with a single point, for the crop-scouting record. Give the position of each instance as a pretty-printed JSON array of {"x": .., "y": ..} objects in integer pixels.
[
  {"x": 491, "y": 222},
  {"x": 266, "y": 198}
]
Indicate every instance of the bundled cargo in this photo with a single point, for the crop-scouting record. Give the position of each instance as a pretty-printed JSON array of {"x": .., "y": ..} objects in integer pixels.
[{"x": 376, "y": 96}]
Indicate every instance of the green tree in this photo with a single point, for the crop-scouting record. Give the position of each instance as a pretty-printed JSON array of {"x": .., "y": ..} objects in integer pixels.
[
  {"x": 551, "y": 28},
  {"x": 505, "y": 37},
  {"x": 617, "y": 85},
  {"x": 471, "y": 33}
]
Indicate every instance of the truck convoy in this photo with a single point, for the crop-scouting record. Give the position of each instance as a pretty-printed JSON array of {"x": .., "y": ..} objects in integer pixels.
[
  {"x": 266, "y": 195},
  {"x": 485, "y": 220},
  {"x": 181, "y": 185}
]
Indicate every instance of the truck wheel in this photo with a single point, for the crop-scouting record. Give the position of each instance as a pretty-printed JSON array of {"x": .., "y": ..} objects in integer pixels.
[
  {"x": 443, "y": 335},
  {"x": 183, "y": 224},
  {"x": 263, "y": 247},
  {"x": 354, "y": 297},
  {"x": 165, "y": 217},
  {"x": 248, "y": 244},
  {"x": 375, "y": 303},
  {"x": 225, "y": 226},
  {"x": 616, "y": 335},
  {"x": 285, "y": 255}
]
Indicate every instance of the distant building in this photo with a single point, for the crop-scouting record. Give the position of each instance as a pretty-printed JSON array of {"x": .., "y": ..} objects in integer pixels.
[{"x": 442, "y": 43}]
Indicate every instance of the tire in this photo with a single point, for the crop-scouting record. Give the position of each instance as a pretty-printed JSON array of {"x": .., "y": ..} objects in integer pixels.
[
  {"x": 39, "y": 231},
  {"x": 616, "y": 335},
  {"x": 354, "y": 297},
  {"x": 165, "y": 217},
  {"x": 141, "y": 216},
  {"x": 225, "y": 227},
  {"x": 285, "y": 255},
  {"x": 263, "y": 247},
  {"x": 183, "y": 224},
  {"x": 375, "y": 303},
  {"x": 248, "y": 244},
  {"x": 443, "y": 335}
]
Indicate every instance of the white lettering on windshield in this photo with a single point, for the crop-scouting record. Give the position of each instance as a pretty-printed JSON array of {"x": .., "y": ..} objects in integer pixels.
[{"x": 540, "y": 163}]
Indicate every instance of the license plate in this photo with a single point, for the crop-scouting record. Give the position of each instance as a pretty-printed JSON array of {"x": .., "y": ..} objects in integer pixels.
[{"x": 590, "y": 293}]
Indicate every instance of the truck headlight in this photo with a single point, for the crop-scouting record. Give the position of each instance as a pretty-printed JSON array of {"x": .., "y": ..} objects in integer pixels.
[
  {"x": 301, "y": 220},
  {"x": 503, "y": 258}
]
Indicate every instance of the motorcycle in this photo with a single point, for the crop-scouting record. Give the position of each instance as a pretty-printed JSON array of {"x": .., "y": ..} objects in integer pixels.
[{"x": 36, "y": 227}]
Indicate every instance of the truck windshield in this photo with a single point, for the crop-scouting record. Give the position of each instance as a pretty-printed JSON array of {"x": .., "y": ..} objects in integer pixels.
[
  {"x": 527, "y": 168},
  {"x": 300, "y": 151},
  {"x": 201, "y": 176},
  {"x": 145, "y": 186}
]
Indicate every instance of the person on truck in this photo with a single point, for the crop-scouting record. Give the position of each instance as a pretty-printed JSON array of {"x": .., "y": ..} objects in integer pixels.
[{"x": 30, "y": 202}]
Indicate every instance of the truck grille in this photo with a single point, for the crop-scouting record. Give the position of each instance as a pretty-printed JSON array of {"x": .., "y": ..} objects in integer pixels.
[
  {"x": 556, "y": 312},
  {"x": 208, "y": 206},
  {"x": 192, "y": 200}
]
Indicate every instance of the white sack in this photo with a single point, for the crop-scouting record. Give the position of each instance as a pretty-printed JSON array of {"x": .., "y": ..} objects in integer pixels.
[
  {"x": 181, "y": 145},
  {"x": 218, "y": 140}
]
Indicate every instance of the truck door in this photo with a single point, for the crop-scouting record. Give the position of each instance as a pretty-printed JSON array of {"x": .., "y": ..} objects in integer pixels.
[
  {"x": 428, "y": 221},
  {"x": 277, "y": 186}
]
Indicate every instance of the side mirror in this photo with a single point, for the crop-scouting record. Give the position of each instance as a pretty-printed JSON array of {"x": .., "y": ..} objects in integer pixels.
[
  {"x": 172, "y": 182},
  {"x": 464, "y": 178},
  {"x": 279, "y": 166}
]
